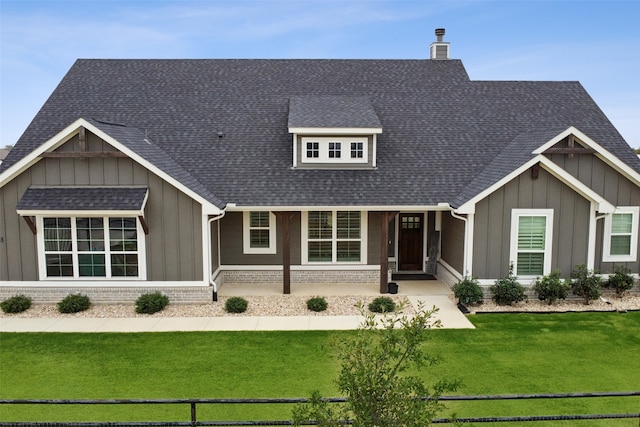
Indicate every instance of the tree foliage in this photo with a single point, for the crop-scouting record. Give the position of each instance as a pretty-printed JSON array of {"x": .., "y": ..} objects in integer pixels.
[
  {"x": 585, "y": 283},
  {"x": 373, "y": 376}
]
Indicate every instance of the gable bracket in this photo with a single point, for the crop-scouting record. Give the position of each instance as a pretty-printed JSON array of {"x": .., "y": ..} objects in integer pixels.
[
  {"x": 82, "y": 138},
  {"x": 144, "y": 224},
  {"x": 30, "y": 223}
]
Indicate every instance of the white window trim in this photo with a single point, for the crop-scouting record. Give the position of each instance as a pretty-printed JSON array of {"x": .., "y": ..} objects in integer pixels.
[
  {"x": 606, "y": 244},
  {"x": 305, "y": 239},
  {"x": 42, "y": 265},
  {"x": 345, "y": 149},
  {"x": 515, "y": 221},
  {"x": 246, "y": 235}
]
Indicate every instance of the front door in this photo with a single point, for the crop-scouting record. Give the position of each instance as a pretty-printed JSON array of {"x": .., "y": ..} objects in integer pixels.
[{"x": 410, "y": 241}]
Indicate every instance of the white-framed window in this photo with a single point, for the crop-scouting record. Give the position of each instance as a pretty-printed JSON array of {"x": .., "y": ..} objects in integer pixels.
[
  {"x": 90, "y": 247},
  {"x": 334, "y": 237},
  {"x": 621, "y": 235},
  {"x": 329, "y": 149},
  {"x": 531, "y": 238},
  {"x": 259, "y": 232}
]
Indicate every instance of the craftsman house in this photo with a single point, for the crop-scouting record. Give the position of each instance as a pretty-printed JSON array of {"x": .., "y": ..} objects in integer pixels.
[{"x": 188, "y": 175}]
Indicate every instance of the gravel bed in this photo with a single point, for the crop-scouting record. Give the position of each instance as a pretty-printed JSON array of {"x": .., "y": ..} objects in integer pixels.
[
  {"x": 271, "y": 305},
  {"x": 610, "y": 303}
]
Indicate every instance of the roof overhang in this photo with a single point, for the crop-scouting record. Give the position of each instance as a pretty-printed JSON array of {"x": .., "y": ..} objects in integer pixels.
[
  {"x": 112, "y": 201},
  {"x": 334, "y": 131}
]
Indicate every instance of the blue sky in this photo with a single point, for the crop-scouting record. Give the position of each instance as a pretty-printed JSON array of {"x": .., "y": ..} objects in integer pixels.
[{"x": 594, "y": 42}]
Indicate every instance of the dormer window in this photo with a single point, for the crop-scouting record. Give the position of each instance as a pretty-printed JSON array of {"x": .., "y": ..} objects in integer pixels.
[
  {"x": 333, "y": 131},
  {"x": 338, "y": 150}
]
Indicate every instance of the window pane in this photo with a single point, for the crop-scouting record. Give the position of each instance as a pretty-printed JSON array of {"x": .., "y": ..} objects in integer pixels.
[
  {"x": 530, "y": 264},
  {"x": 313, "y": 149},
  {"x": 124, "y": 265},
  {"x": 620, "y": 245},
  {"x": 320, "y": 225},
  {"x": 92, "y": 265},
  {"x": 348, "y": 251},
  {"x": 320, "y": 251},
  {"x": 357, "y": 150},
  {"x": 259, "y": 238},
  {"x": 531, "y": 232},
  {"x": 123, "y": 234},
  {"x": 348, "y": 225},
  {"x": 259, "y": 219},
  {"x": 621, "y": 223},
  {"x": 57, "y": 234},
  {"x": 59, "y": 265},
  {"x": 90, "y": 234},
  {"x": 334, "y": 150}
]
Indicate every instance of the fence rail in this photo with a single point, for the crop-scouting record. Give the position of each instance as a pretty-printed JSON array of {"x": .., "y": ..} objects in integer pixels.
[{"x": 193, "y": 403}]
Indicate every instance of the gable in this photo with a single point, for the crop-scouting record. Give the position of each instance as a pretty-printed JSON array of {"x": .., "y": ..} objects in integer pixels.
[{"x": 76, "y": 142}]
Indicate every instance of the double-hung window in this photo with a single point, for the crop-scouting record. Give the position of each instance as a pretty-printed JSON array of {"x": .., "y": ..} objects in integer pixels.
[
  {"x": 531, "y": 237},
  {"x": 621, "y": 235},
  {"x": 334, "y": 237},
  {"x": 91, "y": 247},
  {"x": 259, "y": 233}
]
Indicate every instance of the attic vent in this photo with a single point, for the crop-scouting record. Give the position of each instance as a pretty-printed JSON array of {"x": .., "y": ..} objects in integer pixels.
[{"x": 439, "y": 49}]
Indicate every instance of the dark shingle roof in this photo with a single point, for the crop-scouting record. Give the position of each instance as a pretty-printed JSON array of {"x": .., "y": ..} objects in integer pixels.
[
  {"x": 440, "y": 129},
  {"x": 332, "y": 112},
  {"x": 83, "y": 199}
]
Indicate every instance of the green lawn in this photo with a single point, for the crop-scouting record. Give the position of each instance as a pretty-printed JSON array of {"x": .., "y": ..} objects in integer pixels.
[{"x": 506, "y": 354}]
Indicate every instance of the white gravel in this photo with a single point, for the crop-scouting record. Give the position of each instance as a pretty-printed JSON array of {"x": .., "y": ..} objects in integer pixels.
[{"x": 271, "y": 305}]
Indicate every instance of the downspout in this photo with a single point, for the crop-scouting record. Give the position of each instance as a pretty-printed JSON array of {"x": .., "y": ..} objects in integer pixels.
[
  {"x": 467, "y": 262},
  {"x": 591, "y": 251},
  {"x": 214, "y": 296}
]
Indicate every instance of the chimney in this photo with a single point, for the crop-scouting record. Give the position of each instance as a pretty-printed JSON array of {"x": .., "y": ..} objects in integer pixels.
[{"x": 439, "y": 49}]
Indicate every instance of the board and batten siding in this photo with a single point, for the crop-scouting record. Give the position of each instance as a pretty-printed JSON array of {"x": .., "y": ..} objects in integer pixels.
[
  {"x": 492, "y": 231},
  {"x": 452, "y": 242},
  {"x": 174, "y": 242},
  {"x": 610, "y": 184}
]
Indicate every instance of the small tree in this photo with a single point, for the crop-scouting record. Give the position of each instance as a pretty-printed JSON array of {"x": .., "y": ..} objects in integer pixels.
[
  {"x": 621, "y": 281},
  {"x": 585, "y": 283},
  {"x": 468, "y": 291},
  {"x": 507, "y": 290},
  {"x": 373, "y": 376},
  {"x": 551, "y": 287}
]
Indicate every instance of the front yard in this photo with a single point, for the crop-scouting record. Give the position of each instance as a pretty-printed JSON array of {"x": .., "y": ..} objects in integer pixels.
[{"x": 506, "y": 354}]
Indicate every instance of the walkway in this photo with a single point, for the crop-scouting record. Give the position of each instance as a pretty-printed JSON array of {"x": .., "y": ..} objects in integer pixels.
[{"x": 430, "y": 293}]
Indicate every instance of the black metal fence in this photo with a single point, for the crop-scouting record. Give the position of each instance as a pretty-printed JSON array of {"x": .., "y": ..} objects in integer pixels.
[{"x": 194, "y": 403}]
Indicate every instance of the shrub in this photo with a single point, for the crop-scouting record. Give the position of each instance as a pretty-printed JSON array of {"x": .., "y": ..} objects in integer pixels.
[
  {"x": 317, "y": 304},
  {"x": 585, "y": 283},
  {"x": 236, "y": 305},
  {"x": 621, "y": 281},
  {"x": 16, "y": 304},
  {"x": 74, "y": 303},
  {"x": 382, "y": 305},
  {"x": 507, "y": 290},
  {"x": 468, "y": 291},
  {"x": 551, "y": 288},
  {"x": 151, "y": 303}
]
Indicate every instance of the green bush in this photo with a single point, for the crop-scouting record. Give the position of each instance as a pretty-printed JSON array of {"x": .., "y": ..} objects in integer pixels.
[
  {"x": 151, "y": 303},
  {"x": 621, "y": 281},
  {"x": 468, "y": 291},
  {"x": 382, "y": 305},
  {"x": 317, "y": 304},
  {"x": 507, "y": 290},
  {"x": 551, "y": 288},
  {"x": 236, "y": 305},
  {"x": 74, "y": 303},
  {"x": 16, "y": 304},
  {"x": 585, "y": 283}
]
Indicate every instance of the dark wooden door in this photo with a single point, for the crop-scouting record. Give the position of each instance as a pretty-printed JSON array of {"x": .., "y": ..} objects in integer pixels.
[{"x": 410, "y": 242}]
